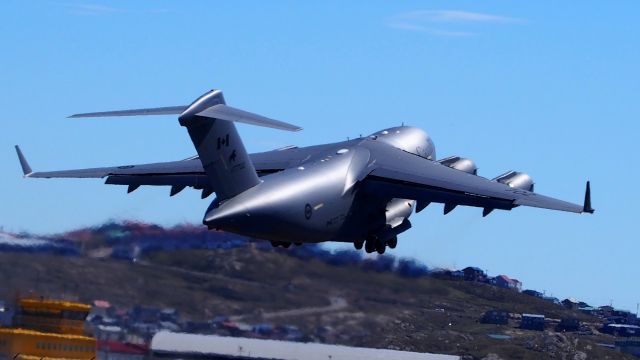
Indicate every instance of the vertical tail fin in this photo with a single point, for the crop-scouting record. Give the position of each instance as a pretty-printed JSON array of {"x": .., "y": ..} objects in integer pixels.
[{"x": 222, "y": 153}]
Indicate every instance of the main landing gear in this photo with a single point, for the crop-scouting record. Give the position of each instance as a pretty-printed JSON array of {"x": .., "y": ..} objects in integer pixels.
[
  {"x": 284, "y": 244},
  {"x": 373, "y": 243}
]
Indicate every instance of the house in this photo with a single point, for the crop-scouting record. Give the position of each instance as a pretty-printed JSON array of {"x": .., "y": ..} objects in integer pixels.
[
  {"x": 499, "y": 317},
  {"x": 533, "y": 293},
  {"x": 168, "y": 325},
  {"x": 108, "y": 332},
  {"x": 606, "y": 310},
  {"x": 169, "y": 314},
  {"x": 505, "y": 282},
  {"x": 532, "y": 322},
  {"x": 263, "y": 329},
  {"x": 236, "y": 328},
  {"x": 291, "y": 332},
  {"x": 570, "y": 303},
  {"x": 621, "y": 330},
  {"x": 473, "y": 273},
  {"x": 590, "y": 310},
  {"x": 624, "y": 317},
  {"x": 568, "y": 324}
]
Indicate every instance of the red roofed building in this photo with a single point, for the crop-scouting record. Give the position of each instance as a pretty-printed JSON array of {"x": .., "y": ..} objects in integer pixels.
[
  {"x": 112, "y": 350},
  {"x": 506, "y": 282}
]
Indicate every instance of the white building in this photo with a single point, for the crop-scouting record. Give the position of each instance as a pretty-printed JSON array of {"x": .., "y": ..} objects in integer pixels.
[{"x": 167, "y": 345}]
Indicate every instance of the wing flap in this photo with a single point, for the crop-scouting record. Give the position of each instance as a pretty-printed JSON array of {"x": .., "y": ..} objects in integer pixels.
[
  {"x": 408, "y": 190},
  {"x": 196, "y": 181}
]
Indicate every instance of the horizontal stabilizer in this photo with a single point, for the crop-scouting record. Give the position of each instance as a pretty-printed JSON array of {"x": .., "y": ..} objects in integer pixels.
[
  {"x": 224, "y": 112},
  {"x": 168, "y": 110}
]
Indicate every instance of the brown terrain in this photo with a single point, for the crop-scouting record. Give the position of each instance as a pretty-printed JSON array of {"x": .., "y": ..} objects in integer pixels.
[{"x": 361, "y": 307}]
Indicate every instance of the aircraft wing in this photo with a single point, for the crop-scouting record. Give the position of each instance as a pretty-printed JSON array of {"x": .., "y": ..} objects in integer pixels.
[
  {"x": 400, "y": 174},
  {"x": 177, "y": 174}
]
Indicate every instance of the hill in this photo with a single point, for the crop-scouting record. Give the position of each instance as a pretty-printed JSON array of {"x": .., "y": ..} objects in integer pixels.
[{"x": 349, "y": 302}]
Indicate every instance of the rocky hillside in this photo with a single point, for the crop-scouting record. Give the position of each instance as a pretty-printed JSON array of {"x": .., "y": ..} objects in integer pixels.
[{"x": 362, "y": 302}]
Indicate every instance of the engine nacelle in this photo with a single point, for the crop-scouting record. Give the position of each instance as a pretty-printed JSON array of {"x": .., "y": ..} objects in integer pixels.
[
  {"x": 460, "y": 163},
  {"x": 397, "y": 210},
  {"x": 518, "y": 180}
]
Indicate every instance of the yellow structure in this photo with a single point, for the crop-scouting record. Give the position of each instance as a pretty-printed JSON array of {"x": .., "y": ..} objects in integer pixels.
[{"x": 48, "y": 329}]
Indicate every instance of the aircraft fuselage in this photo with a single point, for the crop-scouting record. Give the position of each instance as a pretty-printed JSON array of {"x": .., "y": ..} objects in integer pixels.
[{"x": 321, "y": 200}]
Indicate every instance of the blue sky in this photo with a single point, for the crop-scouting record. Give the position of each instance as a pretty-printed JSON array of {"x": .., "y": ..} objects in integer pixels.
[{"x": 550, "y": 88}]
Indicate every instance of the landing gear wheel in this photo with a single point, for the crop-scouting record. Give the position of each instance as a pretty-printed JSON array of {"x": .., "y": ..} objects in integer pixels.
[
  {"x": 381, "y": 247},
  {"x": 392, "y": 243},
  {"x": 358, "y": 245},
  {"x": 285, "y": 244},
  {"x": 370, "y": 245}
]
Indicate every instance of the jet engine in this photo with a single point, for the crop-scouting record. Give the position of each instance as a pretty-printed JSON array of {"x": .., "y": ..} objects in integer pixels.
[
  {"x": 460, "y": 163},
  {"x": 397, "y": 210},
  {"x": 518, "y": 180}
]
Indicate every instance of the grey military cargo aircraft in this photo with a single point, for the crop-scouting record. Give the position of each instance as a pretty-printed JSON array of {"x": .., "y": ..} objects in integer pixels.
[{"x": 360, "y": 191}]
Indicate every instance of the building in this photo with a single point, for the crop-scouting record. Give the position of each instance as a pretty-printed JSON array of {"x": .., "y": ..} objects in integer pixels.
[
  {"x": 570, "y": 303},
  {"x": 532, "y": 322},
  {"x": 112, "y": 350},
  {"x": 499, "y": 317},
  {"x": 473, "y": 273},
  {"x": 49, "y": 329},
  {"x": 101, "y": 308},
  {"x": 166, "y": 345},
  {"x": 621, "y": 330},
  {"x": 606, "y": 310},
  {"x": 506, "y": 282},
  {"x": 533, "y": 293},
  {"x": 622, "y": 317},
  {"x": 590, "y": 310}
]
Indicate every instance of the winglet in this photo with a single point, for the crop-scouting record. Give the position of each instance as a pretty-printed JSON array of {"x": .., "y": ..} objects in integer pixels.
[
  {"x": 26, "y": 169},
  {"x": 587, "y": 200}
]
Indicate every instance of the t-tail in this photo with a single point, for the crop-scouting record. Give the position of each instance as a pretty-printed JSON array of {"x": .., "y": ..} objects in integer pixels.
[
  {"x": 210, "y": 124},
  {"x": 221, "y": 151}
]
